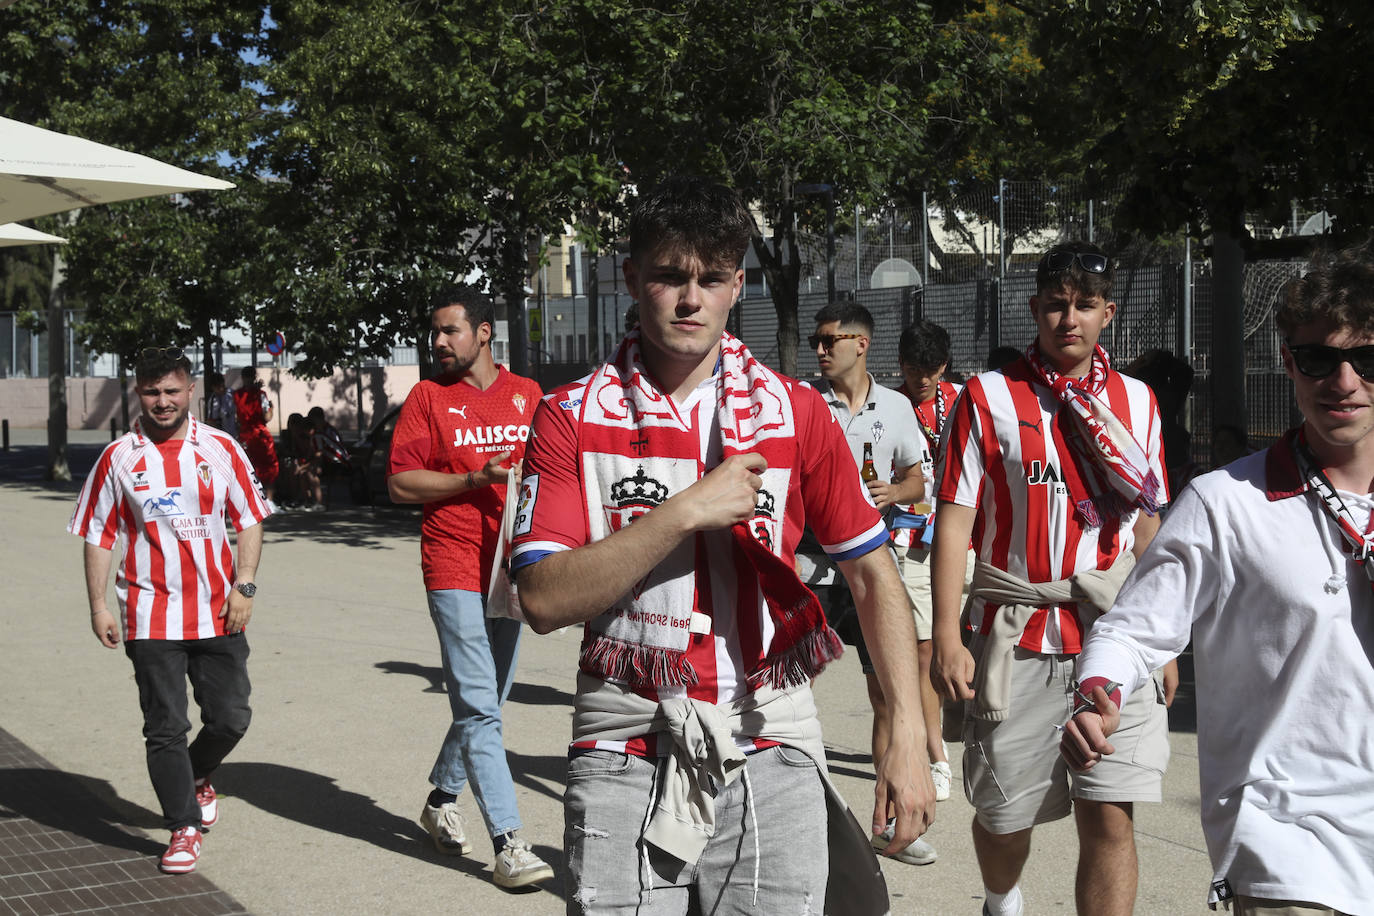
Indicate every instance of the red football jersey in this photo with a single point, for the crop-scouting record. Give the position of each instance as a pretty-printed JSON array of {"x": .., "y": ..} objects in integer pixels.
[{"x": 450, "y": 425}]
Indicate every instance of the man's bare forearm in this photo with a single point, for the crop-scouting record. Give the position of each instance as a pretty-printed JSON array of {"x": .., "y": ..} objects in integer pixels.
[
  {"x": 889, "y": 632},
  {"x": 97, "y": 562},
  {"x": 426, "y": 486},
  {"x": 949, "y": 563},
  {"x": 573, "y": 586},
  {"x": 249, "y": 553}
]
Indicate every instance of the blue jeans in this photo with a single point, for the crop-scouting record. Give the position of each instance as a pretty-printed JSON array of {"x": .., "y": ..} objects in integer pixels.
[
  {"x": 612, "y": 873},
  {"x": 479, "y": 668}
]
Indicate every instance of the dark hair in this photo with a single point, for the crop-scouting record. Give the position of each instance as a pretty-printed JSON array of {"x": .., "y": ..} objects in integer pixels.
[
  {"x": 1074, "y": 276},
  {"x": 248, "y": 375},
  {"x": 701, "y": 218},
  {"x": 847, "y": 314},
  {"x": 923, "y": 345},
  {"x": 1002, "y": 356},
  {"x": 155, "y": 362},
  {"x": 214, "y": 379},
  {"x": 477, "y": 305},
  {"x": 1337, "y": 290},
  {"x": 316, "y": 411}
]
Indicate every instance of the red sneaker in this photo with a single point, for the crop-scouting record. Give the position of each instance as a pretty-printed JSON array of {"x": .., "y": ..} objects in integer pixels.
[
  {"x": 183, "y": 852},
  {"x": 209, "y": 804}
]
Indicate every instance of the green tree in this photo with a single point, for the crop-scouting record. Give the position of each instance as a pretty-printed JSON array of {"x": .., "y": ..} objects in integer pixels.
[
  {"x": 170, "y": 80},
  {"x": 1213, "y": 110},
  {"x": 781, "y": 98}
]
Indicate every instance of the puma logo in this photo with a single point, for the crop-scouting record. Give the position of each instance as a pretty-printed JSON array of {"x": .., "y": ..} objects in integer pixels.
[
  {"x": 1035, "y": 426},
  {"x": 460, "y": 411}
]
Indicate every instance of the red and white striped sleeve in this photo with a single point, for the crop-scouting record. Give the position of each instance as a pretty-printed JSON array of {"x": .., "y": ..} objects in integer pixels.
[
  {"x": 964, "y": 450},
  {"x": 98, "y": 508},
  {"x": 244, "y": 503}
]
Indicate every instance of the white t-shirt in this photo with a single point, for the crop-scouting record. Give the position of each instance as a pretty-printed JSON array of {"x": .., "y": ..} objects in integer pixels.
[{"x": 1282, "y": 623}]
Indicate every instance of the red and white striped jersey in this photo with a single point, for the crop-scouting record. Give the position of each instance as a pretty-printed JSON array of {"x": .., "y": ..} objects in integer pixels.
[
  {"x": 932, "y": 417},
  {"x": 825, "y": 491},
  {"x": 1004, "y": 453},
  {"x": 170, "y": 501}
]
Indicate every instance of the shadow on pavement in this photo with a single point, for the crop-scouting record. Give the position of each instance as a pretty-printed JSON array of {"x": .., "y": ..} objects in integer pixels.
[
  {"x": 535, "y": 772},
  {"x": 80, "y": 805},
  {"x": 23, "y": 468},
  {"x": 352, "y": 526},
  {"x": 317, "y": 801},
  {"x": 433, "y": 674},
  {"x": 542, "y": 695},
  {"x": 862, "y": 764}
]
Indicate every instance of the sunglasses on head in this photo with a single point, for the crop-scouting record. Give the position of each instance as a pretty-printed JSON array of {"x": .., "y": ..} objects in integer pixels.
[
  {"x": 1059, "y": 259},
  {"x": 828, "y": 340},
  {"x": 148, "y": 353},
  {"x": 1319, "y": 360}
]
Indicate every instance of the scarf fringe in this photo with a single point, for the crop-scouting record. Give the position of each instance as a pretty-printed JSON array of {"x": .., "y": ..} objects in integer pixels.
[
  {"x": 800, "y": 662},
  {"x": 636, "y": 665},
  {"x": 1110, "y": 504}
]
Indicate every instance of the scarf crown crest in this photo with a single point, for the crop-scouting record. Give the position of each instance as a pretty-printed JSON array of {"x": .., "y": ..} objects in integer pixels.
[{"x": 631, "y": 435}]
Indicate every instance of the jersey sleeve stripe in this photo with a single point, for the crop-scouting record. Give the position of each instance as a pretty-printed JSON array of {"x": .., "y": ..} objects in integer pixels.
[
  {"x": 532, "y": 552},
  {"x": 858, "y": 546}
]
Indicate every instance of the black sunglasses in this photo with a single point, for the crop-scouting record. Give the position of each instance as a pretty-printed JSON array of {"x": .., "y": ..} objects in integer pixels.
[
  {"x": 149, "y": 353},
  {"x": 828, "y": 340},
  {"x": 1058, "y": 259},
  {"x": 1319, "y": 360}
]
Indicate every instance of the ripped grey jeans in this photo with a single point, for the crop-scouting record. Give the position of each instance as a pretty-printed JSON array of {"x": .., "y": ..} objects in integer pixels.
[{"x": 768, "y": 855}]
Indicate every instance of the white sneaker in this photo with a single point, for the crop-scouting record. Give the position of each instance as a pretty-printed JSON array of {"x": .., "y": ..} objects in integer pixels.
[
  {"x": 516, "y": 866},
  {"x": 446, "y": 827},
  {"x": 918, "y": 853},
  {"x": 940, "y": 775}
]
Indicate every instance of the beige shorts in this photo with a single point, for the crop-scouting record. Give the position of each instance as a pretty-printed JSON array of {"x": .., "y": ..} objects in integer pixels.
[
  {"x": 914, "y": 564},
  {"x": 1013, "y": 772}
]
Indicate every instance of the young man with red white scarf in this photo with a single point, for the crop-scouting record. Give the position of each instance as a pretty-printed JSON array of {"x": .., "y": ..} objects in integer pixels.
[
  {"x": 1052, "y": 465},
  {"x": 662, "y": 501},
  {"x": 1266, "y": 565}
]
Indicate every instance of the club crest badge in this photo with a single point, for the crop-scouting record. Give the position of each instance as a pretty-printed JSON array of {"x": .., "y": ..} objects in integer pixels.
[
  {"x": 203, "y": 472},
  {"x": 519, "y": 402},
  {"x": 632, "y": 497},
  {"x": 764, "y": 525}
]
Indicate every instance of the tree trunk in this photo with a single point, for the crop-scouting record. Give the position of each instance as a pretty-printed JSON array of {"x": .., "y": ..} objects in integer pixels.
[
  {"x": 514, "y": 265},
  {"x": 784, "y": 276},
  {"x": 1228, "y": 330},
  {"x": 57, "y": 373}
]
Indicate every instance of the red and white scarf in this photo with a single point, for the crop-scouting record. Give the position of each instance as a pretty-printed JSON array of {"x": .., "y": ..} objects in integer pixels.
[
  {"x": 1361, "y": 543},
  {"x": 1119, "y": 470},
  {"x": 636, "y": 451}
]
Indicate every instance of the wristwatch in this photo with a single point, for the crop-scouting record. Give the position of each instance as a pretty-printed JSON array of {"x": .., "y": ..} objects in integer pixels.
[{"x": 246, "y": 589}]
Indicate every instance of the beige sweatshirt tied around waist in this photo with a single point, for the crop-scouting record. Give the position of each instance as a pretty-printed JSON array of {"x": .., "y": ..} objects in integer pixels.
[{"x": 1093, "y": 589}]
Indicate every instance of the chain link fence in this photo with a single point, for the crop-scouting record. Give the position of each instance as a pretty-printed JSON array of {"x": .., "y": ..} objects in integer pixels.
[{"x": 966, "y": 260}]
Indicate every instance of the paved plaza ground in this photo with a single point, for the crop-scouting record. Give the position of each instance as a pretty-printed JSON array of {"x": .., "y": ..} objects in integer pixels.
[{"x": 319, "y": 801}]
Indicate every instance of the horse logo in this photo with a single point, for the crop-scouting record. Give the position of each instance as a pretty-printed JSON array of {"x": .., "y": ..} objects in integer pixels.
[{"x": 163, "y": 506}]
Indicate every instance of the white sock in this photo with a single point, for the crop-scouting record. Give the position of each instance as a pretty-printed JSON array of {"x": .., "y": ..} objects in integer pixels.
[{"x": 1008, "y": 904}]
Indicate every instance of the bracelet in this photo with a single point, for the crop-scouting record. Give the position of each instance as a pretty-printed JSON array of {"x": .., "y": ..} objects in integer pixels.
[{"x": 471, "y": 485}]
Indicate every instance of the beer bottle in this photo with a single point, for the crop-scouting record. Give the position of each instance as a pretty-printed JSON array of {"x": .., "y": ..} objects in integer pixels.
[{"x": 868, "y": 471}]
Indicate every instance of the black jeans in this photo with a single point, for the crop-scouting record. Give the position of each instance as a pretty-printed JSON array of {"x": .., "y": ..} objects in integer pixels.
[{"x": 218, "y": 670}]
